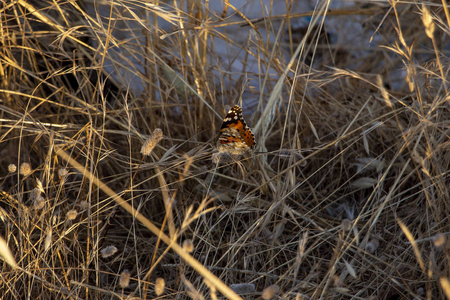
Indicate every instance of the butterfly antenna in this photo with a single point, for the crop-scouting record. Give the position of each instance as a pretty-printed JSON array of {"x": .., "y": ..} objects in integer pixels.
[{"x": 243, "y": 87}]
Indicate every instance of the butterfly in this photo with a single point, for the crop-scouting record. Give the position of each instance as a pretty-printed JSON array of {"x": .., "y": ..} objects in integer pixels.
[{"x": 235, "y": 136}]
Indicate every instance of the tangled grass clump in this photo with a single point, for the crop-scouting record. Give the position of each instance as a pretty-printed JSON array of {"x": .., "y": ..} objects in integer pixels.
[{"x": 112, "y": 187}]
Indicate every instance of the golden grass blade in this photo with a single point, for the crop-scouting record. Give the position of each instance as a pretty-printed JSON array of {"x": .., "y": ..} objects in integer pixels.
[
  {"x": 7, "y": 254},
  {"x": 445, "y": 284},
  {"x": 411, "y": 239}
]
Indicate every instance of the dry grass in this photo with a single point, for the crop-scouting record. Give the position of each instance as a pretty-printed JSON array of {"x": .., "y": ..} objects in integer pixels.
[{"x": 346, "y": 196}]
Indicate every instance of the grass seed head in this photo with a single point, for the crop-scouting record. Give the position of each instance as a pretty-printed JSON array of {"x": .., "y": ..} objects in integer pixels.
[
  {"x": 36, "y": 192},
  {"x": 151, "y": 142},
  {"x": 270, "y": 292},
  {"x": 160, "y": 285},
  {"x": 427, "y": 21},
  {"x": 25, "y": 169},
  {"x": 62, "y": 172},
  {"x": 243, "y": 288},
  {"x": 12, "y": 168},
  {"x": 84, "y": 204},
  {"x": 39, "y": 202},
  {"x": 439, "y": 240},
  {"x": 188, "y": 245},
  {"x": 108, "y": 251},
  {"x": 346, "y": 225},
  {"x": 71, "y": 214},
  {"x": 124, "y": 280},
  {"x": 372, "y": 246}
]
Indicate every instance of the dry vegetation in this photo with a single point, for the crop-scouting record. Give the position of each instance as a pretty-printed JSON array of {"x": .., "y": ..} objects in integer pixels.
[{"x": 346, "y": 195}]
